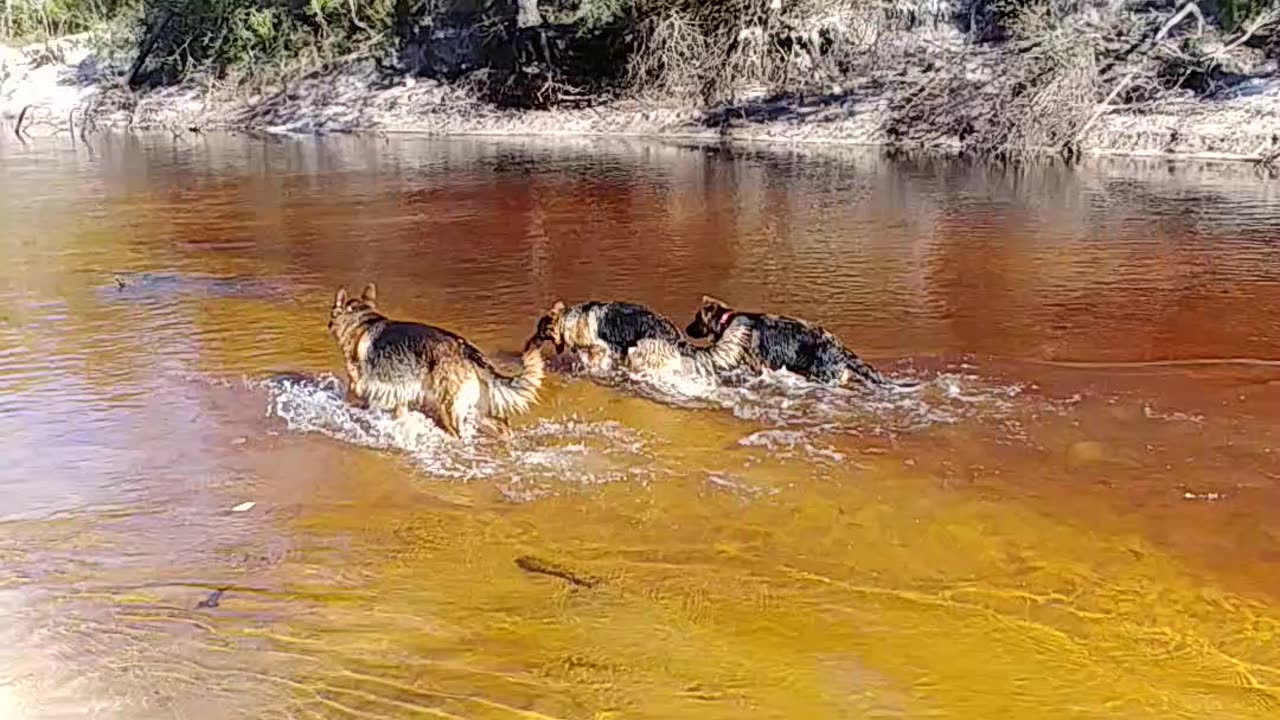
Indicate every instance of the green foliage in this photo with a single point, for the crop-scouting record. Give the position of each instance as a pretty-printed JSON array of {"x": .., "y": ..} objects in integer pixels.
[
  {"x": 1237, "y": 13},
  {"x": 40, "y": 19},
  {"x": 696, "y": 48},
  {"x": 592, "y": 14},
  {"x": 259, "y": 40}
]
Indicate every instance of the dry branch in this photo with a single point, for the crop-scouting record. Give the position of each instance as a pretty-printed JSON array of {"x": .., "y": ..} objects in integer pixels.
[
  {"x": 22, "y": 115},
  {"x": 1101, "y": 110},
  {"x": 1191, "y": 8},
  {"x": 1271, "y": 156},
  {"x": 1270, "y": 17}
]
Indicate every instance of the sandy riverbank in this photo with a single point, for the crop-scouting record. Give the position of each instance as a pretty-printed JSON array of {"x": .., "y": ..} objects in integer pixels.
[{"x": 63, "y": 85}]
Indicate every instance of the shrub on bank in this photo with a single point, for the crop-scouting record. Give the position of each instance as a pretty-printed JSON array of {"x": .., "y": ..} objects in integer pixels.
[
  {"x": 43, "y": 19},
  {"x": 999, "y": 75}
]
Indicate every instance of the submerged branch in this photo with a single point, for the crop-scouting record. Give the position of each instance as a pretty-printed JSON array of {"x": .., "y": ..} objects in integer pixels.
[{"x": 532, "y": 564}]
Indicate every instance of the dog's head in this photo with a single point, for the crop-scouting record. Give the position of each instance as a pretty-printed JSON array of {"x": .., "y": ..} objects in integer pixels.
[
  {"x": 550, "y": 329},
  {"x": 710, "y": 321},
  {"x": 344, "y": 306}
]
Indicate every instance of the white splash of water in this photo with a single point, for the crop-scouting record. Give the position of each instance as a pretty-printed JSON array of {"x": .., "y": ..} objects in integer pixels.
[
  {"x": 744, "y": 490},
  {"x": 785, "y": 400},
  {"x": 672, "y": 386},
  {"x": 793, "y": 443},
  {"x": 532, "y": 462}
]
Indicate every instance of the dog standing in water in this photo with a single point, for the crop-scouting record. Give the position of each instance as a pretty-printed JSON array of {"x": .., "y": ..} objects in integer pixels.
[
  {"x": 608, "y": 334},
  {"x": 778, "y": 342},
  {"x": 396, "y": 366}
]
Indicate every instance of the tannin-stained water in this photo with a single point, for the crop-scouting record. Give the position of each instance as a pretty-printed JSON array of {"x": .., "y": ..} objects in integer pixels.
[{"x": 1072, "y": 516}]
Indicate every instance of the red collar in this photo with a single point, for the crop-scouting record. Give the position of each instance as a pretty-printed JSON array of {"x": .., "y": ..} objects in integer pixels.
[{"x": 725, "y": 319}]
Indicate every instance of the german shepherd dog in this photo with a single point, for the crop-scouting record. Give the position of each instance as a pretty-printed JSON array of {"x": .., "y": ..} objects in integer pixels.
[
  {"x": 778, "y": 342},
  {"x": 395, "y": 365},
  {"x": 607, "y": 334}
]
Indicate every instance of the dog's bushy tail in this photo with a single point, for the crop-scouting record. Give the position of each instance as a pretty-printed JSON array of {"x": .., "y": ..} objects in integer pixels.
[
  {"x": 656, "y": 354},
  {"x": 860, "y": 370},
  {"x": 727, "y": 352},
  {"x": 516, "y": 394}
]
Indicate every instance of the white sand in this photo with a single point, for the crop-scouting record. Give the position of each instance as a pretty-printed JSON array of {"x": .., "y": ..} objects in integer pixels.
[{"x": 53, "y": 85}]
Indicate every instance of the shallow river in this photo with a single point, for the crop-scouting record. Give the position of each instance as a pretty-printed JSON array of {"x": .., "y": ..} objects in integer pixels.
[{"x": 1076, "y": 516}]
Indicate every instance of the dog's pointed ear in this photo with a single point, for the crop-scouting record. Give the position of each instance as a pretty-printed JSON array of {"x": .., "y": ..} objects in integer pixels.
[
  {"x": 708, "y": 301},
  {"x": 370, "y": 293},
  {"x": 557, "y": 309},
  {"x": 341, "y": 298}
]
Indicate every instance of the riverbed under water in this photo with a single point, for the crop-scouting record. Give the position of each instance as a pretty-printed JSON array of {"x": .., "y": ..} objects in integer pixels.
[{"x": 1074, "y": 516}]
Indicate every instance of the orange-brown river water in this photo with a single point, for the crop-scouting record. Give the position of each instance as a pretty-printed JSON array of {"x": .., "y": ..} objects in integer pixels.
[{"x": 1077, "y": 516}]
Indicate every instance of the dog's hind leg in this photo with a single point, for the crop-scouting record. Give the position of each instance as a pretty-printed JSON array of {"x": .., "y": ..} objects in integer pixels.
[
  {"x": 446, "y": 409},
  {"x": 354, "y": 398},
  {"x": 465, "y": 401},
  {"x": 457, "y": 392},
  {"x": 355, "y": 395},
  {"x": 499, "y": 427},
  {"x": 598, "y": 359}
]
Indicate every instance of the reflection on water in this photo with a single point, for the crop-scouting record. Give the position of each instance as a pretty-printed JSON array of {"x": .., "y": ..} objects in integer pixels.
[{"x": 1070, "y": 516}]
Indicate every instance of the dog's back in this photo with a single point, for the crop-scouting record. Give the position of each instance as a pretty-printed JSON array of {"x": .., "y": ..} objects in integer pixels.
[
  {"x": 397, "y": 365},
  {"x": 398, "y": 356},
  {"x": 623, "y": 324},
  {"x": 779, "y": 342},
  {"x": 601, "y": 333},
  {"x": 400, "y": 349},
  {"x": 438, "y": 365}
]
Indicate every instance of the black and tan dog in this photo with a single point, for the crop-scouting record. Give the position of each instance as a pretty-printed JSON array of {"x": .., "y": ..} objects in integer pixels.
[
  {"x": 396, "y": 366},
  {"x": 606, "y": 335},
  {"x": 777, "y": 342}
]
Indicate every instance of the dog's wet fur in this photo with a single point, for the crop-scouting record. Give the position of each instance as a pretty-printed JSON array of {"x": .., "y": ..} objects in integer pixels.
[
  {"x": 610, "y": 335},
  {"x": 691, "y": 361},
  {"x": 398, "y": 366},
  {"x": 778, "y": 342}
]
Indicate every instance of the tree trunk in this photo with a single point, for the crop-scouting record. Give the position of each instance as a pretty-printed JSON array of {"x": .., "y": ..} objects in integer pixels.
[{"x": 149, "y": 45}]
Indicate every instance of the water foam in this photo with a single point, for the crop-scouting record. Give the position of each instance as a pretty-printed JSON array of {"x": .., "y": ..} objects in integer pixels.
[
  {"x": 785, "y": 400},
  {"x": 803, "y": 418},
  {"x": 800, "y": 422},
  {"x": 531, "y": 462}
]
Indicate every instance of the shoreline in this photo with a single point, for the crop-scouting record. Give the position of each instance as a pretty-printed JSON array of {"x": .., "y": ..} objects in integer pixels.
[
  {"x": 78, "y": 92},
  {"x": 758, "y": 139},
  {"x": 8, "y": 126}
]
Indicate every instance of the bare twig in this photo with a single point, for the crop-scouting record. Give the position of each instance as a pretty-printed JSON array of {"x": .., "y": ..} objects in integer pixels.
[
  {"x": 85, "y": 119},
  {"x": 1267, "y": 18},
  {"x": 355, "y": 18},
  {"x": 22, "y": 115},
  {"x": 1269, "y": 157},
  {"x": 1191, "y": 8},
  {"x": 1104, "y": 106},
  {"x": 537, "y": 565}
]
